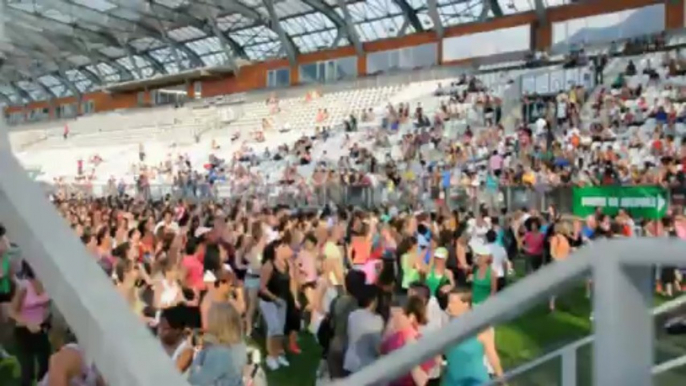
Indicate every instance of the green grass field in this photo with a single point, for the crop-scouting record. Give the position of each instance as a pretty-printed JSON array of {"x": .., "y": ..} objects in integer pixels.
[{"x": 526, "y": 337}]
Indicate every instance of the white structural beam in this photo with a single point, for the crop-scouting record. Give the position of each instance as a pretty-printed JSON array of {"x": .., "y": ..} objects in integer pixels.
[
  {"x": 432, "y": 8},
  {"x": 123, "y": 349},
  {"x": 288, "y": 47},
  {"x": 350, "y": 27}
]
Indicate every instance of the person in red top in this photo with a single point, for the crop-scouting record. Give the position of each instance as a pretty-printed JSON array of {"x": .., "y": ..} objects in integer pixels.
[
  {"x": 404, "y": 329},
  {"x": 193, "y": 268}
]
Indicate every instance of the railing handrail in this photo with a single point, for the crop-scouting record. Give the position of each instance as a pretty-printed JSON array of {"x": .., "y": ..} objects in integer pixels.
[
  {"x": 573, "y": 346},
  {"x": 516, "y": 299}
]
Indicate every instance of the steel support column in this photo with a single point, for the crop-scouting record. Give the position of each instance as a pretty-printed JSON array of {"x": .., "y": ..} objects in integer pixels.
[
  {"x": 410, "y": 15},
  {"x": 226, "y": 44},
  {"x": 26, "y": 97},
  {"x": 622, "y": 299},
  {"x": 432, "y": 6},
  {"x": 350, "y": 27},
  {"x": 495, "y": 7},
  {"x": 6, "y": 99},
  {"x": 540, "y": 11},
  {"x": 288, "y": 47}
]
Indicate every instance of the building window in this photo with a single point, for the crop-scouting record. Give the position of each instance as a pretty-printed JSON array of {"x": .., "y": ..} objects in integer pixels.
[{"x": 280, "y": 77}]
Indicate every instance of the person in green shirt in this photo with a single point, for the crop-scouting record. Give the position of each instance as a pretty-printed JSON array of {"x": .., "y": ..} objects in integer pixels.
[
  {"x": 439, "y": 275},
  {"x": 6, "y": 276},
  {"x": 5, "y": 271},
  {"x": 484, "y": 280},
  {"x": 412, "y": 264}
]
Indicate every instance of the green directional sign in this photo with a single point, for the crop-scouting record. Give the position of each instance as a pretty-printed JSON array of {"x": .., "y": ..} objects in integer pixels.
[{"x": 649, "y": 202}]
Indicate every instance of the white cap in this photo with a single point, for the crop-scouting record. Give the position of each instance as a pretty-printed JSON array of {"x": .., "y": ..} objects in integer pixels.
[
  {"x": 209, "y": 277},
  {"x": 480, "y": 249},
  {"x": 201, "y": 231}
]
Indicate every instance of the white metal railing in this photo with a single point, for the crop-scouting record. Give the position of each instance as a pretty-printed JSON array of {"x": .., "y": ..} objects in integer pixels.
[
  {"x": 621, "y": 301},
  {"x": 122, "y": 347},
  {"x": 569, "y": 355}
]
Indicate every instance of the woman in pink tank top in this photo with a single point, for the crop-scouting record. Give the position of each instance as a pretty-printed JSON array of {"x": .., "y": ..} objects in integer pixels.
[
  {"x": 30, "y": 310},
  {"x": 307, "y": 267}
]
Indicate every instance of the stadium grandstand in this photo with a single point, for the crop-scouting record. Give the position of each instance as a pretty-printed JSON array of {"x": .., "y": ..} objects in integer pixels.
[{"x": 315, "y": 192}]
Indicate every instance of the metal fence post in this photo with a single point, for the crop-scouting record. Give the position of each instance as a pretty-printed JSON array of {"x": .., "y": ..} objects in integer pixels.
[
  {"x": 569, "y": 367},
  {"x": 623, "y": 349}
]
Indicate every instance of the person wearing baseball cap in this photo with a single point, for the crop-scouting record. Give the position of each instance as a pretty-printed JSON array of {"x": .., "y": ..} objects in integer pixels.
[
  {"x": 484, "y": 281},
  {"x": 439, "y": 275}
]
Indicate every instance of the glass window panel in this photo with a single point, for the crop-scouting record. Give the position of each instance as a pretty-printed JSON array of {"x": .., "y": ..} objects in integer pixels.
[
  {"x": 393, "y": 59},
  {"x": 308, "y": 73},
  {"x": 377, "y": 62},
  {"x": 321, "y": 71},
  {"x": 346, "y": 67},
  {"x": 283, "y": 77},
  {"x": 406, "y": 58},
  {"x": 330, "y": 71},
  {"x": 271, "y": 82},
  {"x": 424, "y": 55}
]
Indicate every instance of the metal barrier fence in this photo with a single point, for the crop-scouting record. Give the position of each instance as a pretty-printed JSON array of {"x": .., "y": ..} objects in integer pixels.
[{"x": 419, "y": 194}]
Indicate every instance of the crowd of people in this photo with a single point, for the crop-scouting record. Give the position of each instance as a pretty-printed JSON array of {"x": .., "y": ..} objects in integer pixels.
[{"x": 205, "y": 276}]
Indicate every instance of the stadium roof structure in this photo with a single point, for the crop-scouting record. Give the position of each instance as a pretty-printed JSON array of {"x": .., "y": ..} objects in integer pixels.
[{"x": 59, "y": 48}]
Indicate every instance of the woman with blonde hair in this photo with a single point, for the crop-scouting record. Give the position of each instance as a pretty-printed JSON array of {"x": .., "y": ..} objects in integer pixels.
[{"x": 224, "y": 354}]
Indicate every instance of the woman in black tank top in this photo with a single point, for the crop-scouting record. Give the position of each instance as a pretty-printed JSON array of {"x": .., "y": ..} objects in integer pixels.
[{"x": 278, "y": 293}]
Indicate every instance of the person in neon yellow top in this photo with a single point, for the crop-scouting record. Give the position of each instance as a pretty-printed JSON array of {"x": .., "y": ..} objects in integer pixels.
[
  {"x": 439, "y": 275},
  {"x": 412, "y": 265}
]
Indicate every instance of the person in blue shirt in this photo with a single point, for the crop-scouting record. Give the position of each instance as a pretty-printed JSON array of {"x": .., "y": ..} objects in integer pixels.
[{"x": 465, "y": 361}]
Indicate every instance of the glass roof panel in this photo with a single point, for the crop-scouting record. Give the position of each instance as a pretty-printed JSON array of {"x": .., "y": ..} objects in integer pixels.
[
  {"x": 288, "y": 8},
  {"x": 459, "y": 13},
  {"x": 516, "y": 6},
  {"x": 205, "y": 46},
  {"x": 60, "y": 91},
  {"x": 75, "y": 75},
  {"x": 234, "y": 22},
  {"x": 106, "y": 69},
  {"x": 10, "y": 93},
  {"x": 312, "y": 22},
  {"x": 264, "y": 50},
  {"x": 49, "y": 80},
  {"x": 167, "y": 54},
  {"x": 372, "y": 10},
  {"x": 316, "y": 41},
  {"x": 113, "y": 52},
  {"x": 59, "y": 16},
  {"x": 252, "y": 3},
  {"x": 254, "y": 35},
  {"x": 79, "y": 60},
  {"x": 126, "y": 62},
  {"x": 172, "y": 3},
  {"x": 100, "y": 5},
  {"x": 380, "y": 29},
  {"x": 146, "y": 43},
  {"x": 84, "y": 85},
  {"x": 217, "y": 59},
  {"x": 186, "y": 33}
]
